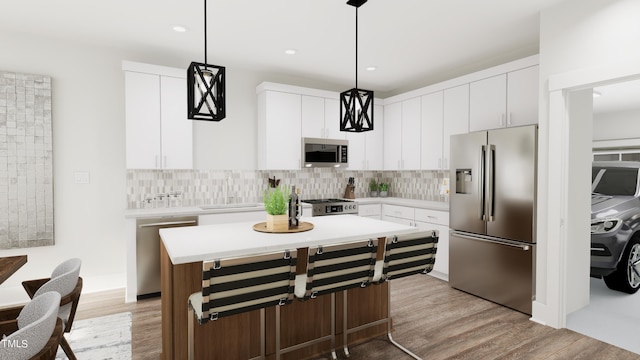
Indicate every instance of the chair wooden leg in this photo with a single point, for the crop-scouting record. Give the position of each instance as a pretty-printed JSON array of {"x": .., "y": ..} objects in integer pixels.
[{"x": 67, "y": 349}]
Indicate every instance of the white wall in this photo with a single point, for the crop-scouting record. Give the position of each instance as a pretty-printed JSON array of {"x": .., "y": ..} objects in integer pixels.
[
  {"x": 89, "y": 135},
  {"x": 579, "y": 214},
  {"x": 617, "y": 125},
  {"x": 575, "y": 36}
]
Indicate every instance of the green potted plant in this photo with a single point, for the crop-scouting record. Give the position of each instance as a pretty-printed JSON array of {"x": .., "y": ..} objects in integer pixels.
[
  {"x": 384, "y": 189},
  {"x": 373, "y": 188},
  {"x": 276, "y": 203}
]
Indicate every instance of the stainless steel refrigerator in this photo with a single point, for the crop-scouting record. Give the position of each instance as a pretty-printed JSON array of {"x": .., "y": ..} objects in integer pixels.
[{"x": 492, "y": 215}]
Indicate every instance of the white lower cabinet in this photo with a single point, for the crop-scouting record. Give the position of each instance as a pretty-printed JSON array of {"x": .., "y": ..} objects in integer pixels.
[
  {"x": 424, "y": 219},
  {"x": 369, "y": 210},
  {"x": 398, "y": 214}
]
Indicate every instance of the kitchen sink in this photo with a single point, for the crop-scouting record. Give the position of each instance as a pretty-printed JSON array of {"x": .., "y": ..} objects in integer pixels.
[{"x": 230, "y": 206}]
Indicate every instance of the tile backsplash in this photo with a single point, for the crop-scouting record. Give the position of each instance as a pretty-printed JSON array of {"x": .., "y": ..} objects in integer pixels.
[{"x": 208, "y": 187}]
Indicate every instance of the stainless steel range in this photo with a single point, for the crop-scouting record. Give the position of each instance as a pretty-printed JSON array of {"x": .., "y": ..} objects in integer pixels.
[{"x": 322, "y": 207}]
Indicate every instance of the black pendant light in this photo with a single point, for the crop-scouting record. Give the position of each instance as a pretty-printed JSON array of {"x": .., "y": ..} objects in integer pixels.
[
  {"x": 356, "y": 105},
  {"x": 206, "y": 87}
]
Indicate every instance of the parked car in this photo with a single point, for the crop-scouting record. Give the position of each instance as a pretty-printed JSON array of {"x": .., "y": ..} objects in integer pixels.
[{"x": 615, "y": 224}]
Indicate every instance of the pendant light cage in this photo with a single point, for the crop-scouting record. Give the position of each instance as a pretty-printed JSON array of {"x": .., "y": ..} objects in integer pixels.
[
  {"x": 206, "y": 92},
  {"x": 206, "y": 87},
  {"x": 356, "y": 105},
  {"x": 356, "y": 110}
]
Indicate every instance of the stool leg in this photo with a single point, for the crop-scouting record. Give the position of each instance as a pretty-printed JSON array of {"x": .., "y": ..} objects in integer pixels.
[
  {"x": 405, "y": 350},
  {"x": 333, "y": 326},
  {"x": 344, "y": 323}
]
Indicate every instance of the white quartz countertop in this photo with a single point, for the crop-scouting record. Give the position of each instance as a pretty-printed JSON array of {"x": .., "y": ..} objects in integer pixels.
[
  {"x": 194, "y": 210},
  {"x": 199, "y": 243},
  {"x": 424, "y": 204},
  {"x": 234, "y": 208}
]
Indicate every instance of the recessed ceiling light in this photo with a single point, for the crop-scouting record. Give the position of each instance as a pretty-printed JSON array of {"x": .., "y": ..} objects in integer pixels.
[
  {"x": 371, "y": 68},
  {"x": 290, "y": 51},
  {"x": 179, "y": 28}
]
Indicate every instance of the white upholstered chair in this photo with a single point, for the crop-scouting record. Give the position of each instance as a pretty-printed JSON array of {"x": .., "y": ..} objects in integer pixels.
[
  {"x": 34, "y": 327},
  {"x": 65, "y": 279}
]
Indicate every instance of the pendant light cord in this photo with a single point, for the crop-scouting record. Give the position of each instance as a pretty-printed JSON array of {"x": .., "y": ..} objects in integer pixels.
[
  {"x": 205, "y": 34},
  {"x": 356, "y": 48}
]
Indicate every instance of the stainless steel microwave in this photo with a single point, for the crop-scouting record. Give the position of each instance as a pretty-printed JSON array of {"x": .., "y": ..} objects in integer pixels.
[{"x": 317, "y": 152}]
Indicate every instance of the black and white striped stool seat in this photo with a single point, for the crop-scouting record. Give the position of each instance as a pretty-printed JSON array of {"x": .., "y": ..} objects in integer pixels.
[
  {"x": 235, "y": 285},
  {"x": 409, "y": 254},
  {"x": 337, "y": 267}
]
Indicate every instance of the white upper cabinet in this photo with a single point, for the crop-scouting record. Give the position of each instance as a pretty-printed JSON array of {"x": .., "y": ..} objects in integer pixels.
[
  {"x": 375, "y": 141},
  {"x": 158, "y": 133},
  {"x": 332, "y": 119},
  {"x": 455, "y": 117},
  {"x": 279, "y": 129},
  {"x": 177, "y": 129},
  {"x": 488, "y": 103},
  {"x": 522, "y": 96},
  {"x": 504, "y": 100},
  {"x": 358, "y": 150},
  {"x": 321, "y": 118},
  {"x": 432, "y": 136},
  {"x": 402, "y": 135},
  {"x": 411, "y": 126},
  {"x": 392, "y": 136},
  {"x": 313, "y": 117},
  {"x": 366, "y": 150}
]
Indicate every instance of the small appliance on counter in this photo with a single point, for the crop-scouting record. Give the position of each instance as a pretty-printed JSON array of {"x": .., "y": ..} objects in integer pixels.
[
  {"x": 349, "y": 191},
  {"x": 321, "y": 207}
]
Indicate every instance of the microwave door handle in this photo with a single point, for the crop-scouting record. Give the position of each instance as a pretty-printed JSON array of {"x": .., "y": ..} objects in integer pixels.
[
  {"x": 481, "y": 182},
  {"x": 491, "y": 185}
]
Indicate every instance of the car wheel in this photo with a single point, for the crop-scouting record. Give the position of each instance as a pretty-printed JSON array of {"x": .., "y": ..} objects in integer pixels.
[{"x": 627, "y": 277}]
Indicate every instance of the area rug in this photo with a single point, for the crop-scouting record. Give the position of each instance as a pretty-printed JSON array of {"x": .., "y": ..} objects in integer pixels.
[{"x": 101, "y": 338}]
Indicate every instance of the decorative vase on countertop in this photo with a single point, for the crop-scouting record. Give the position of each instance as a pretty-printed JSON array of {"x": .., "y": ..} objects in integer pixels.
[
  {"x": 277, "y": 223},
  {"x": 373, "y": 188},
  {"x": 384, "y": 189}
]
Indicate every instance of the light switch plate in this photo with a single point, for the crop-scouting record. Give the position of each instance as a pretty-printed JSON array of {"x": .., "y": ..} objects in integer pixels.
[{"x": 81, "y": 177}]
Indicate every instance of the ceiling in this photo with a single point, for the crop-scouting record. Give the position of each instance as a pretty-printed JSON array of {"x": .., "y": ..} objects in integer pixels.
[
  {"x": 413, "y": 43},
  {"x": 619, "y": 97}
]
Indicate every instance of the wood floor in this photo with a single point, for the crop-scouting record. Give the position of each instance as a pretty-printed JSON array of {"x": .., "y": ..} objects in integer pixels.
[{"x": 430, "y": 318}]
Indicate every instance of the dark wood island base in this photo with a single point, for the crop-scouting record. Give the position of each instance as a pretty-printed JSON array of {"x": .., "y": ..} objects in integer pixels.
[{"x": 238, "y": 336}]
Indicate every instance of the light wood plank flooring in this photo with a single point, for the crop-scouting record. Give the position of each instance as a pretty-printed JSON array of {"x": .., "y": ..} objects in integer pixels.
[{"x": 430, "y": 318}]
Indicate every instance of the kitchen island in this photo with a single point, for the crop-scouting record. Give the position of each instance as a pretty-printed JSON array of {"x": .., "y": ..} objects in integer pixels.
[{"x": 184, "y": 249}]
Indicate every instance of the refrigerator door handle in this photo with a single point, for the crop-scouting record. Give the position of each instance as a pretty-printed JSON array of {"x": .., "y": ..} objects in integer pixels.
[
  {"x": 481, "y": 238},
  {"x": 481, "y": 183},
  {"x": 491, "y": 182}
]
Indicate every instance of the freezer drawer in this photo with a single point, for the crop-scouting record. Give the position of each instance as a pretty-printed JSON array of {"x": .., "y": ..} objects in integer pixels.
[{"x": 495, "y": 270}]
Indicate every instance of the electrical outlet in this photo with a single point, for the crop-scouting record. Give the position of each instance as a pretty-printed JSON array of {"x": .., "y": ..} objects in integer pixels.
[{"x": 81, "y": 177}]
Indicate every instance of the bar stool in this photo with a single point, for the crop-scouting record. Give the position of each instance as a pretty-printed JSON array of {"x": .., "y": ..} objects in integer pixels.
[
  {"x": 236, "y": 285},
  {"x": 404, "y": 255},
  {"x": 330, "y": 269}
]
